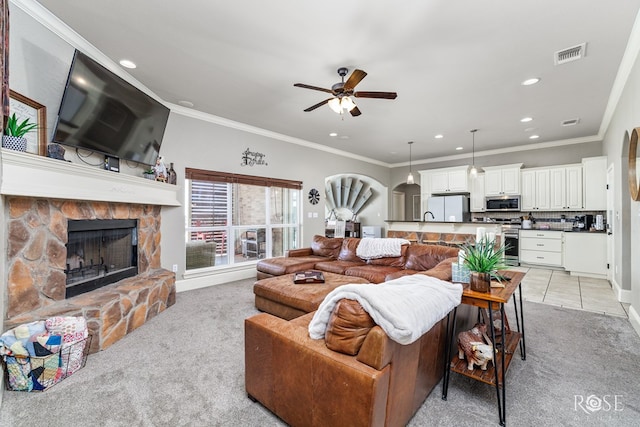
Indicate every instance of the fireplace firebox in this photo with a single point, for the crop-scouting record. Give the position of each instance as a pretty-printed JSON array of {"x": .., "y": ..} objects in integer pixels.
[{"x": 100, "y": 252}]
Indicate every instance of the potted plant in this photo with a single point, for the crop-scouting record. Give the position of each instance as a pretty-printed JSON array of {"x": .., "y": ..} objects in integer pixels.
[
  {"x": 483, "y": 259},
  {"x": 14, "y": 133},
  {"x": 149, "y": 173}
]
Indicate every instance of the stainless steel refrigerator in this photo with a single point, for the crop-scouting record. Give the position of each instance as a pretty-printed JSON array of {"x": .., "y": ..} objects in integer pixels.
[{"x": 448, "y": 208}]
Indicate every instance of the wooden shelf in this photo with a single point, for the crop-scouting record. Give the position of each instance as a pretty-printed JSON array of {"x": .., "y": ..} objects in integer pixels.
[{"x": 489, "y": 376}]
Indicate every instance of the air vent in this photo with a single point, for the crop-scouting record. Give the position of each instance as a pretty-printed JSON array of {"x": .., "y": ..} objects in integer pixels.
[
  {"x": 570, "y": 122},
  {"x": 570, "y": 54}
]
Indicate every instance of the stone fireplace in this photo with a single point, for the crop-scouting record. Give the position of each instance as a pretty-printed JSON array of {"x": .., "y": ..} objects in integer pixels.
[{"x": 36, "y": 233}]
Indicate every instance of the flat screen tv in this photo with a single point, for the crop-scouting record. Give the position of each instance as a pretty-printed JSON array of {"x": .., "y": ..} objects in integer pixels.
[{"x": 102, "y": 112}]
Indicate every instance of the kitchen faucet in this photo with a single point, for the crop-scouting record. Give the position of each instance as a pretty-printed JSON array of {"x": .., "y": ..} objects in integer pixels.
[{"x": 424, "y": 217}]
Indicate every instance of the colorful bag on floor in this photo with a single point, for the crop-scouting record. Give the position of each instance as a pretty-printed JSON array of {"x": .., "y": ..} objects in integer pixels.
[{"x": 40, "y": 354}]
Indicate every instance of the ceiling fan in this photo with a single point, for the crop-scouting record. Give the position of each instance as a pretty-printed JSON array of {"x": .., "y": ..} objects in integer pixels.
[{"x": 343, "y": 91}]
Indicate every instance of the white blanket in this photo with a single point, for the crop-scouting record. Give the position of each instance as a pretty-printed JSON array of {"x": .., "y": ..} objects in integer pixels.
[
  {"x": 405, "y": 308},
  {"x": 373, "y": 247}
]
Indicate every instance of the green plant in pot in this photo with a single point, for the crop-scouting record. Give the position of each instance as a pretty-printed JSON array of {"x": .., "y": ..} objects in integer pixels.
[
  {"x": 484, "y": 260},
  {"x": 15, "y": 131},
  {"x": 149, "y": 173}
]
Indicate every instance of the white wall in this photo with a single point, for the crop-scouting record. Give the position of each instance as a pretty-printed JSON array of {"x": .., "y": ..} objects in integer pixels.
[{"x": 627, "y": 212}]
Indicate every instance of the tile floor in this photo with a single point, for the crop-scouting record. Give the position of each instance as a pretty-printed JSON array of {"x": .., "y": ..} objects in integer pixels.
[{"x": 560, "y": 288}]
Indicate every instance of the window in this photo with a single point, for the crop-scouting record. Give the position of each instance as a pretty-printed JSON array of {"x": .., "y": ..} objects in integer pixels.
[{"x": 234, "y": 218}]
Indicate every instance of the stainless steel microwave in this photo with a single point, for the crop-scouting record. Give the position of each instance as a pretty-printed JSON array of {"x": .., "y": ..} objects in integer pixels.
[{"x": 502, "y": 203}]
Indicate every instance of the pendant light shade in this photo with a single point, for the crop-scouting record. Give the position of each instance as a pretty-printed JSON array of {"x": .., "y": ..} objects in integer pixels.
[
  {"x": 474, "y": 171},
  {"x": 410, "y": 179}
]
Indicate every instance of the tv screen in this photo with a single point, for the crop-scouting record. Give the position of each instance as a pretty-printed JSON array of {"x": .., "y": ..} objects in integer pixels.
[{"x": 102, "y": 112}]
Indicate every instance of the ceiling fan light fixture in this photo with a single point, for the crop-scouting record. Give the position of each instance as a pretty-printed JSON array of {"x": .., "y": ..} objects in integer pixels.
[
  {"x": 347, "y": 103},
  {"x": 334, "y": 104}
]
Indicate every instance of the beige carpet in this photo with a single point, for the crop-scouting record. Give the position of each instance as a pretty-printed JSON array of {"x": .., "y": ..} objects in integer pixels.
[{"x": 186, "y": 367}]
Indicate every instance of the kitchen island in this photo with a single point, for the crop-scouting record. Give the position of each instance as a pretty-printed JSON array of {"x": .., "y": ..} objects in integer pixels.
[{"x": 438, "y": 232}]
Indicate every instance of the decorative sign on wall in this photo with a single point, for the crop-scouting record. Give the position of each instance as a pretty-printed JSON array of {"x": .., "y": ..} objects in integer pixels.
[{"x": 252, "y": 158}]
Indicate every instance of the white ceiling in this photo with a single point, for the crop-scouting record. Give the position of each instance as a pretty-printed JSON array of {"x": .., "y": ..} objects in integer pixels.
[{"x": 456, "y": 65}]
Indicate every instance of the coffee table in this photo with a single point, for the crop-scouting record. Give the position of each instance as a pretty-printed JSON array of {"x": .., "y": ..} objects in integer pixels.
[{"x": 283, "y": 298}]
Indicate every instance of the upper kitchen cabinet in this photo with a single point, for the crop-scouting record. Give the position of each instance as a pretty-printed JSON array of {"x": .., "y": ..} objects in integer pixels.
[
  {"x": 450, "y": 180},
  {"x": 501, "y": 180},
  {"x": 535, "y": 189},
  {"x": 565, "y": 188},
  {"x": 594, "y": 170},
  {"x": 477, "y": 193}
]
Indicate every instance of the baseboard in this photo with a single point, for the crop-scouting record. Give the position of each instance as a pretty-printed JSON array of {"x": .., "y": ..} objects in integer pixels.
[
  {"x": 634, "y": 318},
  {"x": 215, "y": 278},
  {"x": 623, "y": 295}
]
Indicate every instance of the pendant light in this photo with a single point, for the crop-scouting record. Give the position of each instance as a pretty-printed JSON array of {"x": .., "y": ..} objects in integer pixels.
[
  {"x": 410, "y": 179},
  {"x": 474, "y": 171}
]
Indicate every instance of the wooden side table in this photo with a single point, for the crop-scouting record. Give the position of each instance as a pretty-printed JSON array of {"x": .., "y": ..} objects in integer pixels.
[{"x": 504, "y": 345}]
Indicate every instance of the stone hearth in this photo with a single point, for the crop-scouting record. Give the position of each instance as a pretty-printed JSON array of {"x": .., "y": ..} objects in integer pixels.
[{"x": 36, "y": 259}]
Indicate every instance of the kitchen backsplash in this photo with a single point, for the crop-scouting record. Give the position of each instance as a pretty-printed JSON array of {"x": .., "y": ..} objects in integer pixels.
[{"x": 555, "y": 220}]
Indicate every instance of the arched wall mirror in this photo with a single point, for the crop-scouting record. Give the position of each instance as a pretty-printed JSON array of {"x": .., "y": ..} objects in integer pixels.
[{"x": 634, "y": 166}]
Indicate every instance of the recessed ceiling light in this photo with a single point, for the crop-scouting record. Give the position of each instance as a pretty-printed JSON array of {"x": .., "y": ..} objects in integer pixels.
[
  {"x": 188, "y": 104},
  {"x": 439, "y": 136},
  {"x": 526, "y": 119},
  {"x": 458, "y": 148},
  {"x": 530, "y": 82},
  {"x": 333, "y": 134},
  {"x": 343, "y": 137},
  {"x": 127, "y": 64},
  {"x": 534, "y": 137}
]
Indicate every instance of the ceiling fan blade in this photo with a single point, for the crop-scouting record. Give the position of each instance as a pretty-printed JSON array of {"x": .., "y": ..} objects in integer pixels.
[
  {"x": 384, "y": 95},
  {"x": 354, "y": 79},
  {"x": 355, "y": 112},
  {"x": 302, "y": 85},
  {"x": 319, "y": 104}
]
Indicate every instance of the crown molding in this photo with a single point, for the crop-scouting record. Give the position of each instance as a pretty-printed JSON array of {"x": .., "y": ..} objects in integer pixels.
[{"x": 514, "y": 149}]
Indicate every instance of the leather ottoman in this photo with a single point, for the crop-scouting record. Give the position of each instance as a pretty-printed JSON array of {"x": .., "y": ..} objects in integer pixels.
[{"x": 283, "y": 298}]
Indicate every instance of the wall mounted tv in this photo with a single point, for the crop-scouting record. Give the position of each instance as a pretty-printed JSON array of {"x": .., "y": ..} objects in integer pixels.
[{"x": 102, "y": 112}]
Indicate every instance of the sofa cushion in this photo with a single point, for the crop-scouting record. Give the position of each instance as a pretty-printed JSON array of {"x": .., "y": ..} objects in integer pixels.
[
  {"x": 348, "y": 250},
  {"x": 337, "y": 266},
  {"x": 391, "y": 261},
  {"x": 348, "y": 326},
  {"x": 285, "y": 265},
  {"x": 326, "y": 247},
  {"x": 425, "y": 257},
  {"x": 373, "y": 273}
]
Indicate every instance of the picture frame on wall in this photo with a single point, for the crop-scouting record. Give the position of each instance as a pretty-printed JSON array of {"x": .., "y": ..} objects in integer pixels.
[{"x": 27, "y": 108}]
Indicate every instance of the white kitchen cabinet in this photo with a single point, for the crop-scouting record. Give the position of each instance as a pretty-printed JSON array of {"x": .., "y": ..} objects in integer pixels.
[
  {"x": 565, "y": 188},
  {"x": 535, "y": 189},
  {"x": 594, "y": 171},
  {"x": 501, "y": 180},
  {"x": 477, "y": 193},
  {"x": 450, "y": 180},
  {"x": 541, "y": 247},
  {"x": 425, "y": 188},
  {"x": 585, "y": 253},
  {"x": 574, "y": 186}
]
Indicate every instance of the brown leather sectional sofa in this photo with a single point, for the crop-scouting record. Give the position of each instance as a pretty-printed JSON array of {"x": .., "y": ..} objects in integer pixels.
[
  {"x": 357, "y": 375},
  {"x": 338, "y": 255}
]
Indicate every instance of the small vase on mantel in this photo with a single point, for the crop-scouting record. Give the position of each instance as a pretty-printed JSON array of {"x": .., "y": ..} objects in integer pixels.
[
  {"x": 173, "y": 177},
  {"x": 480, "y": 282}
]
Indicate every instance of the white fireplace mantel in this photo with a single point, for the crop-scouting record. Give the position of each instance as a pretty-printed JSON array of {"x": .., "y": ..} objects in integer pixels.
[{"x": 24, "y": 174}]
